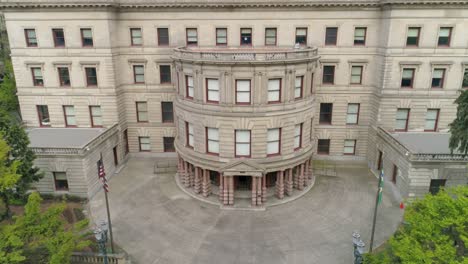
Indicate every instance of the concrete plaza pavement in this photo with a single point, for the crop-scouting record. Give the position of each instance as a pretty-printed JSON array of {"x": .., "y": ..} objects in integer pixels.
[{"x": 156, "y": 222}]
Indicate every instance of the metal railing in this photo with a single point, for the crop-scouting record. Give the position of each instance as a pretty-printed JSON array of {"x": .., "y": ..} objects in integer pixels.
[{"x": 92, "y": 258}]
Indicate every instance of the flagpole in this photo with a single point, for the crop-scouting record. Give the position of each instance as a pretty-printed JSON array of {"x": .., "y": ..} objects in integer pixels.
[
  {"x": 107, "y": 209},
  {"x": 375, "y": 210}
]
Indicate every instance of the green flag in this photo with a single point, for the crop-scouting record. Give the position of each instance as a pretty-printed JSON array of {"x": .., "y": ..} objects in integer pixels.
[{"x": 381, "y": 183}]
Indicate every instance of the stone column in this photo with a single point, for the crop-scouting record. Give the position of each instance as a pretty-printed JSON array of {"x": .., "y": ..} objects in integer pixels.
[
  {"x": 296, "y": 172},
  {"x": 221, "y": 187},
  {"x": 306, "y": 173},
  {"x": 197, "y": 183},
  {"x": 187, "y": 175},
  {"x": 192, "y": 175},
  {"x": 206, "y": 185},
  {"x": 226, "y": 190},
  {"x": 300, "y": 183},
  {"x": 259, "y": 191},
  {"x": 311, "y": 169},
  {"x": 264, "y": 188},
  {"x": 289, "y": 182},
  {"x": 231, "y": 190},
  {"x": 254, "y": 191},
  {"x": 280, "y": 185}
]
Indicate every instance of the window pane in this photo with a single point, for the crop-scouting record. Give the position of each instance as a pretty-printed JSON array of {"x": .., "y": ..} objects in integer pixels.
[
  {"x": 87, "y": 33},
  {"x": 273, "y": 134},
  {"x": 243, "y": 149},
  {"x": 213, "y": 134},
  {"x": 351, "y": 119},
  {"x": 356, "y": 70},
  {"x": 431, "y": 114},
  {"x": 273, "y": 147},
  {"x": 359, "y": 33},
  {"x": 353, "y": 108},
  {"x": 408, "y": 73},
  {"x": 70, "y": 110},
  {"x": 301, "y": 31},
  {"x": 401, "y": 124},
  {"x": 270, "y": 32},
  {"x": 139, "y": 69},
  {"x": 246, "y": 31},
  {"x": 243, "y": 86},
  {"x": 402, "y": 114},
  {"x": 213, "y": 146},
  {"x": 96, "y": 110},
  {"x": 142, "y": 106},
  {"x": 222, "y": 32},
  {"x": 413, "y": 32},
  {"x": 31, "y": 33},
  {"x": 465, "y": 79},
  {"x": 243, "y": 97},
  {"x": 242, "y": 136},
  {"x": 438, "y": 73},
  {"x": 297, "y": 130},
  {"x": 273, "y": 96},
  {"x": 430, "y": 125},
  {"x": 190, "y": 81},
  {"x": 444, "y": 32},
  {"x": 163, "y": 36}
]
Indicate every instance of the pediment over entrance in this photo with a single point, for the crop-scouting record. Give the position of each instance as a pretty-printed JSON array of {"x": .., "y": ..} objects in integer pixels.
[{"x": 243, "y": 167}]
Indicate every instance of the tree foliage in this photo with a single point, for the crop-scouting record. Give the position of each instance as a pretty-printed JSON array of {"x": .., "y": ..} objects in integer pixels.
[
  {"x": 8, "y": 99},
  {"x": 459, "y": 126},
  {"x": 435, "y": 230},
  {"x": 36, "y": 230},
  {"x": 8, "y": 175}
]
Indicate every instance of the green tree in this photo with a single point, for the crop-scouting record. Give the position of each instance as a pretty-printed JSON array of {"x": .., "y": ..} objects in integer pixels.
[
  {"x": 459, "y": 126},
  {"x": 435, "y": 230},
  {"x": 8, "y": 99},
  {"x": 8, "y": 175}
]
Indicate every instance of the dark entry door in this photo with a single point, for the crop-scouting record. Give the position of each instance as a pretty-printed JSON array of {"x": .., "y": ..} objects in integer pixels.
[
  {"x": 244, "y": 183},
  {"x": 435, "y": 186}
]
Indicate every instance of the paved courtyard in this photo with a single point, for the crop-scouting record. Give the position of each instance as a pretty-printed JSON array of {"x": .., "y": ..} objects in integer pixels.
[{"x": 156, "y": 222}]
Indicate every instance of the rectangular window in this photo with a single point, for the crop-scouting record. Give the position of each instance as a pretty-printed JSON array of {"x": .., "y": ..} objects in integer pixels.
[
  {"x": 349, "y": 147},
  {"x": 323, "y": 146},
  {"x": 221, "y": 36},
  {"x": 394, "y": 174},
  {"x": 64, "y": 76},
  {"x": 465, "y": 79},
  {"x": 326, "y": 110},
  {"x": 328, "y": 74},
  {"x": 402, "y": 119},
  {"x": 298, "y": 83},
  {"x": 301, "y": 36},
  {"x": 86, "y": 37},
  {"x": 163, "y": 37},
  {"x": 70, "y": 116},
  {"x": 168, "y": 144},
  {"x": 445, "y": 36},
  {"x": 139, "y": 73},
  {"x": 297, "y": 136},
  {"x": 432, "y": 119},
  {"x": 274, "y": 91},
  {"x": 212, "y": 140},
  {"x": 116, "y": 157},
  {"x": 270, "y": 36},
  {"x": 331, "y": 35},
  {"x": 242, "y": 143},
  {"x": 189, "y": 134},
  {"x": 59, "y": 37},
  {"x": 242, "y": 91},
  {"x": 352, "y": 116},
  {"x": 167, "y": 112},
  {"x": 61, "y": 181},
  {"x": 31, "y": 38},
  {"x": 407, "y": 78},
  {"x": 91, "y": 76},
  {"x": 38, "y": 80},
  {"x": 413, "y": 36},
  {"x": 145, "y": 144},
  {"x": 165, "y": 73},
  {"x": 189, "y": 86},
  {"x": 360, "y": 36},
  {"x": 136, "y": 36},
  {"x": 142, "y": 111},
  {"x": 438, "y": 77},
  {"x": 192, "y": 36},
  {"x": 212, "y": 90},
  {"x": 273, "y": 141},
  {"x": 96, "y": 115},
  {"x": 43, "y": 115},
  {"x": 356, "y": 75},
  {"x": 246, "y": 36}
]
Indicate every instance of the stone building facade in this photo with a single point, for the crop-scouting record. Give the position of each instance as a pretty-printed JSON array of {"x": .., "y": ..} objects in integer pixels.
[{"x": 244, "y": 92}]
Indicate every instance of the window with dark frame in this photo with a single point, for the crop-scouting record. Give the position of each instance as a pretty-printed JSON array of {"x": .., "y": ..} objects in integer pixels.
[
  {"x": 190, "y": 135},
  {"x": 274, "y": 91},
  {"x": 60, "y": 181},
  {"x": 349, "y": 147},
  {"x": 432, "y": 120},
  {"x": 168, "y": 143},
  {"x": 59, "y": 37},
  {"x": 445, "y": 37},
  {"x": 301, "y": 36},
  {"x": 407, "y": 78},
  {"x": 96, "y": 115},
  {"x": 64, "y": 76},
  {"x": 38, "y": 80},
  {"x": 273, "y": 141},
  {"x": 189, "y": 86},
  {"x": 246, "y": 36},
  {"x": 438, "y": 77},
  {"x": 192, "y": 36},
  {"x": 30, "y": 36},
  {"x": 138, "y": 74},
  {"x": 298, "y": 87},
  {"x": 70, "y": 115},
  {"x": 356, "y": 74},
  {"x": 165, "y": 73},
  {"x": 163, "y": 37},
  {"x": 212, "y": 140},
  {"x": 43, "y": 115},
  {"x": 323, "y": 146},
  {"x": 412, "y": 39},
  {"x": 221, "y": 36},
  {"x": 352, "y": 115},
  {"x": 298, "y": 136},
  {"x": 465, "y": 79},
  {"x": 242, "y": 91},
  {"x": 136, "y": 36},
  {"x": 331, "y": 34},
  {"x": 328, "y": 74},
  {"x": 402, "y": 119},
  {"x": 212, "y": 90},
  {"x": 360, "y": 36},
  {"x": 242, "y": 143},
  {"x": 167, "y": 110},
  {"x": 270, "y": 36},
  {"x": 91, "y": 76},
  {"x": 144, "y": 143},
  {"x": 86, "y": 37},
  {"x": 142, "y": 111},
  {"x": 326, "y": 111}
]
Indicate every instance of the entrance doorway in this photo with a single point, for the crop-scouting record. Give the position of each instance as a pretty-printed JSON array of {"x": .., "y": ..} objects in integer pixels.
[
  {"x": 243, "y": 183},
  {"x": 436, "y": 184}
]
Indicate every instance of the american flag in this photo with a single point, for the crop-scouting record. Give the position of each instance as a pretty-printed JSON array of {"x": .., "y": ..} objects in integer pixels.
[{"x": 102, "y": 175}]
